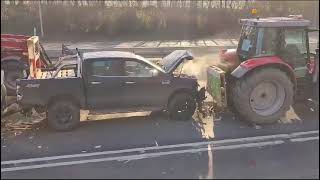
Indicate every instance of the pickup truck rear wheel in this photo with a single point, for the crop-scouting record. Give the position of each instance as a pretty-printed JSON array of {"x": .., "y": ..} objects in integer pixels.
[
  {"x": 63, "y": 115},
  {"x": 182, "y": 106}
]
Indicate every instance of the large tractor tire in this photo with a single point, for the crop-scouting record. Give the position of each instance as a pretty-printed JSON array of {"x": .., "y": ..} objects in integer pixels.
[
  {"x": 12, "y": 72},
  {"x": 263, "y": 96},
  {"x": 63, "y": 115},
  {"x": 182, "y": 106},
  {"x": 3, "y": 98}
]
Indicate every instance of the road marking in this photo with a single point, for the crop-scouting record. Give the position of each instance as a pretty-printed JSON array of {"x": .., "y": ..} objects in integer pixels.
[
  {"x": 143, "y": 156},
  {"x": 210, "y": 163},
  {"x": 145, "y": 149},
  {"x": 304, "y": 133},
  {"x": 237, "y": 140},
  {"x": 304, "y": 139}
]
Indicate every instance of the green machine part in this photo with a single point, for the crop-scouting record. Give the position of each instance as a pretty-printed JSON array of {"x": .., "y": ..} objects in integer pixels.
[{"x": 216, "y": 86}]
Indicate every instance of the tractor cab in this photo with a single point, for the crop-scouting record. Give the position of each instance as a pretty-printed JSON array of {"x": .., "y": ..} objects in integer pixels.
[{"x": 284, "y": 37}]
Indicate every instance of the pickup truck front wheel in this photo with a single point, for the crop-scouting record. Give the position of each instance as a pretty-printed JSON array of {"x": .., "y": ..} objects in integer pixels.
[
  {"x": 182, "y": 106},
  {"x": 63, "y": 115}
]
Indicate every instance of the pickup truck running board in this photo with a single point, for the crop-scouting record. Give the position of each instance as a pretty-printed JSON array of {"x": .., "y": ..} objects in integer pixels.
[{"x": 123, "y": 110}]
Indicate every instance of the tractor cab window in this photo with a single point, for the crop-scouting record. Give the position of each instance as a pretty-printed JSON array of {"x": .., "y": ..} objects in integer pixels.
[
  {"x": 267, "y": 42},
  {"x": 294, "y": 47},
  {"x": 247, "y": 41}
]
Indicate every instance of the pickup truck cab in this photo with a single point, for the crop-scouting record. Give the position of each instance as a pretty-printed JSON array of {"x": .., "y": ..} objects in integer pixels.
[{"x": 111, "y": 80}]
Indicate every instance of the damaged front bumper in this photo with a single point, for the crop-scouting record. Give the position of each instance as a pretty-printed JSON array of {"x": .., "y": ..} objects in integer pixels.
[{"x": 200, "y": 97}]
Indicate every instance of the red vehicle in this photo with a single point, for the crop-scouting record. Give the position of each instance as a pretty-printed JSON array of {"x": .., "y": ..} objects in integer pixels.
[
  {"x": 15, "y": 59},
  {"x": 271, "y": 67}
]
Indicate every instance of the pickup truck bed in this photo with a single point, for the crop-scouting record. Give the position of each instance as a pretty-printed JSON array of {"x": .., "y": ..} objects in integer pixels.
[{"x": 48, "y": 84}]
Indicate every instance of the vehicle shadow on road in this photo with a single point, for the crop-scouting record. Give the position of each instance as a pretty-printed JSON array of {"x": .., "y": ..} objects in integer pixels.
[{"x": 99, "y": 135}]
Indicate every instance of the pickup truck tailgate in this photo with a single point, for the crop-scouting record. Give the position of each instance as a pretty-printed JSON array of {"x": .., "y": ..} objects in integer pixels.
[{"x": 41, "y": 91}]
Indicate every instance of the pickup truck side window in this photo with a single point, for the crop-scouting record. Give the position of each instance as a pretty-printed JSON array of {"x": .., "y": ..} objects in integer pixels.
[
  {"x": 137, "y": 69},
  {"x": 107, "y": 68}
]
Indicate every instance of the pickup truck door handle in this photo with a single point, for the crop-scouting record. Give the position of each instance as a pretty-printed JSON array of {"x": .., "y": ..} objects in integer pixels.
[
  {"x": 95, "y": 82},
  {"x": 130, "y": 82}
]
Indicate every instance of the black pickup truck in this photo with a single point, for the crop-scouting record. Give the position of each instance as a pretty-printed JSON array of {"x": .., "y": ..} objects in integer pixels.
[{"x": 115, "y": 81}]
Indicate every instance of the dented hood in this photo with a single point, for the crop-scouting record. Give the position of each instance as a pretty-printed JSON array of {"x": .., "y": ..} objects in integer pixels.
[{"x": 172, "y": 61}]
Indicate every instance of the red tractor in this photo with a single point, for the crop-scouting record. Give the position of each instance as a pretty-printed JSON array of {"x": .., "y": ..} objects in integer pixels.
[
  {"x": 271, "y": 67},
  {"x": 15, "y": 59}
]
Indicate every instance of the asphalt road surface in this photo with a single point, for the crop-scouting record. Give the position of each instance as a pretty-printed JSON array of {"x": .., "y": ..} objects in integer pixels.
[{"x": 143, "y": 145}]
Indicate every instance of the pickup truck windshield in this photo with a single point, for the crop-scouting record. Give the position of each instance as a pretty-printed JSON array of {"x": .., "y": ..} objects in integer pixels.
[{"x": 151, "y": 63}]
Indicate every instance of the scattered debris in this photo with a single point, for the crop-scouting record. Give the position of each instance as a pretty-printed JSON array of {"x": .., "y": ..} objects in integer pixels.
[
  {"x": 97, "y": 147},
  {"x": 17, "y": 123},
  {"x": 257, "y": 127},
  {"x": 218, "y": 119}
]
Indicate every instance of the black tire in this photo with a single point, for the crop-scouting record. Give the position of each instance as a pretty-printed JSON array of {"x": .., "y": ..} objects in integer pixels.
[
  {"x": 316, "y": 91},
  {"x": 11, "y": 74},
  {"x": 246, "y": 102},
  {"x": 182, "y": 106},
  {"x": 63, "y": 115}
]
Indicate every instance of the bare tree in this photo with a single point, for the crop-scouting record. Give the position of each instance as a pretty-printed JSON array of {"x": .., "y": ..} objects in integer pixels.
[
  {"x": 139, "y": 3},
  {"x": 183, "y": 4},
  {"x": 102, "y": 3},
  {"x": 193, "y": 4},
  {"x": 159, "y": 4}
]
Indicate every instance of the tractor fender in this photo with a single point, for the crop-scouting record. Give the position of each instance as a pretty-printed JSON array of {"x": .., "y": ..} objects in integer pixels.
[
  {"x": 263, "y": 62},
  {"x": 14, "y": 59}
]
